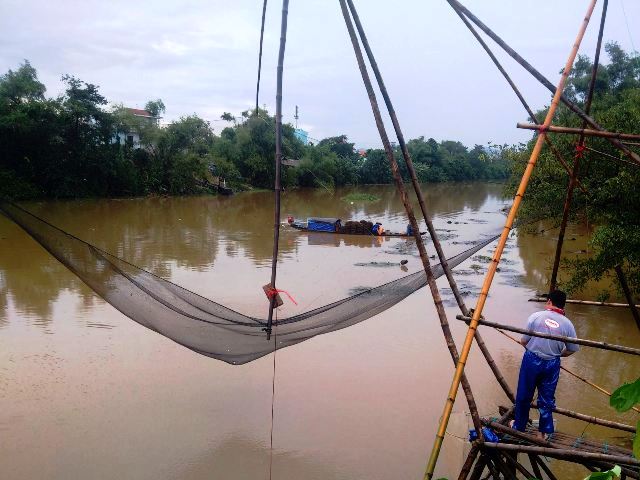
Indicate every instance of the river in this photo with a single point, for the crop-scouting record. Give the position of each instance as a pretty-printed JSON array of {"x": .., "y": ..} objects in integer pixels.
[{"x": 87, "y": 393}]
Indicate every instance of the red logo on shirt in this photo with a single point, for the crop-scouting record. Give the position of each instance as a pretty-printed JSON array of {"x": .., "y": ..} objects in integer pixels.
[{"x": 551, "y": 323}]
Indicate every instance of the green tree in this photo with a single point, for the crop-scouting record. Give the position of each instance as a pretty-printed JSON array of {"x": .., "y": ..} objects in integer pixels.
[
  {"x": 155, "y": 107},
  {"x": 612, "y": 202}
]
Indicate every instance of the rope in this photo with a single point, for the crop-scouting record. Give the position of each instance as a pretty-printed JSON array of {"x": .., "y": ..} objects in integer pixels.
[
  {"x": 264, "y": 12},
  {"x": 273, "y": 392},
  {"x": 626, "y": 21}
]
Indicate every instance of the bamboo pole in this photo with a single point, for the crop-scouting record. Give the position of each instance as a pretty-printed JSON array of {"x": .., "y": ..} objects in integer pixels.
[
  {"x": 534, "y": 465},
  {"x": 579, "y": 149},
  {"x": 498, "y": 253},
  {"x": 546, "y": 468},
  {"x": 468, "y": 463},
  {"x": 564, "y": 454},
  {"x": 437, "y": 300},
  {"x": 579, "y": 131},
  {"x": 515, "y": 89},
  {"x": 590, "y": 419},
  {"x": 561, "y": 338},
  {"x": 493, "y": 468},
  {"x": 541, "y": 78},
  {"x": 423, "y": 207},
  {"x": 585, "y": 302},
  {"x": 627, "y": 294},
  {"x": 479, "y": 467},
  {"x": 562, "y": 443},
  {"x": 507, "y": 472},
  {"x": 278, "y": 160},
  {"x": 518, "y": 465}
]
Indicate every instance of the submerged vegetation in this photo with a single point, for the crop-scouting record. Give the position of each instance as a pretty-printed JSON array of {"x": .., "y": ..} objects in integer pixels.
[
  {"x": 611, "y": 180},
  {"x": 75, "y": 145},
  {"x": 360, "y": 197}
]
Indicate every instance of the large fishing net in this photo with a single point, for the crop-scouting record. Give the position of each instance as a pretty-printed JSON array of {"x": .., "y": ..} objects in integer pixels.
[{"x": 197, "y": 323}]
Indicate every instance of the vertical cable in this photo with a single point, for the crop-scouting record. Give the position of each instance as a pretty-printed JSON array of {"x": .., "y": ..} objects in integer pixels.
[
  {"x": 273, "y": 393},
  {"x": 264, "y": 13}
]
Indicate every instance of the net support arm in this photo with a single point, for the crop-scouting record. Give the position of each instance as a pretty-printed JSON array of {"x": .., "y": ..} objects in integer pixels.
[
  {"x": 395, "y": 171},
  {"x": 425, "y": 213},
  {"x": 516, "y": 90},
  {"x": 541, "y": 78},
  {"x": 466, "y": 348}
]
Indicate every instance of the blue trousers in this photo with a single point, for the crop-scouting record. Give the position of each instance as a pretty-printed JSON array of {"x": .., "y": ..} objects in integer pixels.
[{"x": 543, "y": 375}]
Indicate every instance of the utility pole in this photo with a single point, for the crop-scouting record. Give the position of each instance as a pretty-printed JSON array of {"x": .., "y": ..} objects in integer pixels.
[{"x": 296, "y": 116}]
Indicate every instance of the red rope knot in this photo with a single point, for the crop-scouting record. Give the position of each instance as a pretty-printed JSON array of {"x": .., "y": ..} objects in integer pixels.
[
  {"x": 542, "y": 129},
  {"x": 580, "y": 151},
  {"x": 272, "y": 292}
]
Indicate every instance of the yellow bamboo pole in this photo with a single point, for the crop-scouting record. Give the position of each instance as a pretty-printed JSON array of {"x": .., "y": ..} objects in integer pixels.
[{"x": 464, "y": 354}]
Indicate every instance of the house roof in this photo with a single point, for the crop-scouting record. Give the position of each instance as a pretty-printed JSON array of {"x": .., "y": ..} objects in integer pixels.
[{"x": 140, "y": 113}]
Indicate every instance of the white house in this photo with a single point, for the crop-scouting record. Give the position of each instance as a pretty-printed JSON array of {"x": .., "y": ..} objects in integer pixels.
[{"x": 132, "y": 137}]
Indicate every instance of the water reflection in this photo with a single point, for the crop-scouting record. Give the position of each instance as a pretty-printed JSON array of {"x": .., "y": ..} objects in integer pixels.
[
  {"x": 361, "y": 400},
  {"x": 172, "y": 236}
]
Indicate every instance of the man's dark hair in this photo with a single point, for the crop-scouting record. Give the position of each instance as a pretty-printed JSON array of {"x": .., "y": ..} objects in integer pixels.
[{"x": 558, "y": 298}]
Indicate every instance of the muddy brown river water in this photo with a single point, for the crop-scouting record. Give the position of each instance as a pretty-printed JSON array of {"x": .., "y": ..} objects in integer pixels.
[{"x": 85, "y": 393}]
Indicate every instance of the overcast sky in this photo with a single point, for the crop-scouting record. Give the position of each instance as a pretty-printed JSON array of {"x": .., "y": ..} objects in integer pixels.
[{"x": 201, "y": 57}]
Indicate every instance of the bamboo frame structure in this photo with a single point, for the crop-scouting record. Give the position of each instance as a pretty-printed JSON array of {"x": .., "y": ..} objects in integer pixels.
[
  {"x": 541, "y": 78},
  {"x": 587, "y": 132},
  {"x": 488, "y": 455},
  {"x": 562, "y": 338},
  {"x": 498, "y": 253},
  {"x": 515, "y": 89},
  {"x": 579, "y": 149},
  {"x": 427, "y": 218},
  {"x": 437, "y": 300}
]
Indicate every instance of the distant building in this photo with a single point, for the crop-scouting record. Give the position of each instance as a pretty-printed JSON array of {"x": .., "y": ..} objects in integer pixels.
[
  {"x": 132, "y": 138},
  {"x": 302, "y": 135}
]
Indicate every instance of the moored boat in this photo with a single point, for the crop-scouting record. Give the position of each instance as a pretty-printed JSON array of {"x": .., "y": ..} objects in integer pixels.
[{"x": 351, "y": 227}]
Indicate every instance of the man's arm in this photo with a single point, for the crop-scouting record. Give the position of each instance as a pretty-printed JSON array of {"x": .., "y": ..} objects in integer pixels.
[
  {"x": 524, "y": 340},
  {"x": 570, "y": 348}
]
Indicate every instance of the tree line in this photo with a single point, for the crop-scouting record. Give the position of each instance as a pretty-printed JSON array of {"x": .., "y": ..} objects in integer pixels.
[
  {"x": 75, "y": 145},
  {"x": 611, "y": 180}
]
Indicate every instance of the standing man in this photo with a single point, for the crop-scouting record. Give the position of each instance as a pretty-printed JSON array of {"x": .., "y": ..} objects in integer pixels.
[{"x": 541, "y": 362}]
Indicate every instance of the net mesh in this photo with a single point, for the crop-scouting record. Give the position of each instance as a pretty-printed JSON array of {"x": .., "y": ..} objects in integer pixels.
[{"x": 202, "y": 325}]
